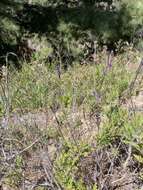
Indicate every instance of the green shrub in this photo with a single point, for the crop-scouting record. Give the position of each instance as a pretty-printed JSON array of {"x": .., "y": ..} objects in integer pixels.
[
  {"x": 113, "y": 126},
  {"x": 67, "y": 165},
  {"x": 36, "y": 86}
]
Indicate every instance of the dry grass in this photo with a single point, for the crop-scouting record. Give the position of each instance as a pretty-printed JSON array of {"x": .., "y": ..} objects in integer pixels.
[{"x": 78, "y": 124}]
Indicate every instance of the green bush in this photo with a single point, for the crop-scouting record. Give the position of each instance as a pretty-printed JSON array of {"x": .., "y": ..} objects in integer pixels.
[
  {"x": 67, "y": 165},
  {"x": 36, "y": 86},
  {"x": 71, "y": 26}
]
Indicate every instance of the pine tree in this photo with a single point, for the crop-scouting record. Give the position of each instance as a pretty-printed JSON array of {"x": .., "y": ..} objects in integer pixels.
[{"x": 8, "y": 28}]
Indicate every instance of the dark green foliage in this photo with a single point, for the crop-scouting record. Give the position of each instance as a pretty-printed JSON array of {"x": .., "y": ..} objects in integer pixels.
[
  {"x": 64, "y": 22},
  {"x": 9, "y": 30}
]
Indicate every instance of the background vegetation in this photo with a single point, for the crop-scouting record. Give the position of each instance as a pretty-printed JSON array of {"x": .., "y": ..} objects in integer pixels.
[
  {"x": 67, "y": 25},
  {"x": 71, "y": 95}
]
